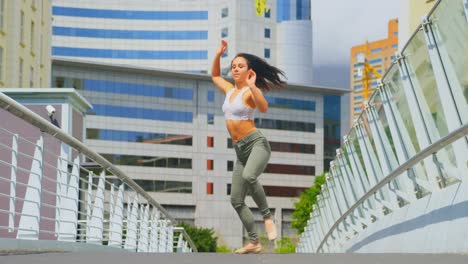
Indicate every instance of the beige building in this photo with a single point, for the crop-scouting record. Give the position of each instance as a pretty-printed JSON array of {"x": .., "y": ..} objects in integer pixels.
[
  {"x": 411, "y": 13},
  {"x": 25, "y": 43}
]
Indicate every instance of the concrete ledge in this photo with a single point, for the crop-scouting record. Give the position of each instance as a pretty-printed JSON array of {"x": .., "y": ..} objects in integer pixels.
[{"x": 437, "y": 223}]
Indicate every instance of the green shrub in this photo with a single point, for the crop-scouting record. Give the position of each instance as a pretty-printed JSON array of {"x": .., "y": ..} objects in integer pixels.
[
  {"x": 203, "y": 238},
  {"x": 303, "y": 207},
  {"x": 285, "y": 245},
  {"x": 223, "y": 249}
]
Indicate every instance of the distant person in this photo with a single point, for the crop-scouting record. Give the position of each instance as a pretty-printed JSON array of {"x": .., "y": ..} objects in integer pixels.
[{"x": 252, "y": 75}]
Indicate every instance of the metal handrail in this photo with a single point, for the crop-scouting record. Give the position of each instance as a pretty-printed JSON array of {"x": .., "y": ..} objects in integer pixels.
[
  {"x": 436, "y": 146},
  {"x": 34, "y": 119},
  {"x": 186, "y": 236}
]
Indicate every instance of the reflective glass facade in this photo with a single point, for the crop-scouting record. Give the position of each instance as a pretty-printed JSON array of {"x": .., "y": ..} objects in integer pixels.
[
  {"x": 290, "y": 103},
  {"x": 146, "y": 161},
  {"x": 129, "y": 14},
  {"x": 290, "y": 169},
  {"x": 131, "y": 54},
  {"x": 332, "y": 127},
  {"x": 129, "y": 34},
  {"x": 124, "y": 88},
  {"x": 293, "y": 10},
  {"x": 165, "y": 186},
  {"x": 140, "y": 137},
  {"x": 284, "y": 125},
  {"x": 141, "y": 113}
]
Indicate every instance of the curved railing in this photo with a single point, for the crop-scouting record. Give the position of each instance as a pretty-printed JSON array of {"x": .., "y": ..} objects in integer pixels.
[
  {"x": 410, "y": 140},
  {"x": 51, "y": 193}
]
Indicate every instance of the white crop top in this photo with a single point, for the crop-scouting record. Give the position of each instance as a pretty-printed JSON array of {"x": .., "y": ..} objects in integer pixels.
[{"x": 237, "y": 110}]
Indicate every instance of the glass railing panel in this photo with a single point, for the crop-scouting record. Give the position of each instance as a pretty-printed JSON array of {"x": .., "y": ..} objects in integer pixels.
[
  {"x": 353, "y": 180},
  {"x": 378, "y": 105},
  {"x": 358, "y": 159},
  {"x": 451, "y": 25},
  {"x": 425, "y": 87},
  {"x": 397, "y": 96}
]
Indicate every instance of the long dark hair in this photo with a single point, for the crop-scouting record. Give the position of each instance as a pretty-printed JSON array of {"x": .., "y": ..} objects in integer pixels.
[{"x": 268, "y": 76}]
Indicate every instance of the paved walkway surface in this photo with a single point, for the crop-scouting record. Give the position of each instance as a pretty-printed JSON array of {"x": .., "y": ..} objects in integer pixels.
[{"x": 208, "y": 258}]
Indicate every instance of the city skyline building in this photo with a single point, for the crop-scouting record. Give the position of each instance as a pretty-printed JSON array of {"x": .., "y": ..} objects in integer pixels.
[
  {"x": 184, "y": 35},
  {"x": 25, "y": 43},
  {"x": 379, "y": 54},
  {"x": 166, "y": 130}
]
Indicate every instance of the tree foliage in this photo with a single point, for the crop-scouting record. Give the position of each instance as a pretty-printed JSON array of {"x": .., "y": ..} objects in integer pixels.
[
  {"x": 203, "y": 238},
  {"x": 304, "y": 206}
]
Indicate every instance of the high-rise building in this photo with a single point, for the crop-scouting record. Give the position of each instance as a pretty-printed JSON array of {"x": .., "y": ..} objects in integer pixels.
[
  {"x": 183, "y": 35},
  {"x": 167, "y": 131},
  {"x": 25, "y": 43},
  {"x": 379, "y": 55},
  {"x": 410, "y": 16}
]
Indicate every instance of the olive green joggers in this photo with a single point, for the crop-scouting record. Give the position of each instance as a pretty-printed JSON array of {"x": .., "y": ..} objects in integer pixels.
[{"x": 253, "y": 152}]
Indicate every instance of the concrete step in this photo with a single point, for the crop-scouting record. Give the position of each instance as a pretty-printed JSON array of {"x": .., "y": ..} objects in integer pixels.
[{"x": 212, "y": 258}]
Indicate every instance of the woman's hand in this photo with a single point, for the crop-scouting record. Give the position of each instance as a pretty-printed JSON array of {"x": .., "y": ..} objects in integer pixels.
[
  {"x": 222, "y": 48},
  {"x": 251, "y": 78}
]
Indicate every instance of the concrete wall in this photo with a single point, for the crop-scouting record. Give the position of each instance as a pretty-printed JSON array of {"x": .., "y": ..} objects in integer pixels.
[{"x": 437, "y": 223}]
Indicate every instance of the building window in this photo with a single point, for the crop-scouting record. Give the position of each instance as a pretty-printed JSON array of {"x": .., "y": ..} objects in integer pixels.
[
  {"x": 229, "y": 143},
  {"x": 31, "y": 77},
  {"x": 32, "y": 35},
  {"x": 2, "y": 13},
  {"x": 376, "y": 50},
  {"x": 267, "y": 53},
  {"x": 284, "y": 125},
  {"x": 209, "y": 165},
  {"x": 225, "y": 54},
  {"x": 149, "y": 161},
  {"x": 224, "y": 32},
  {"x": 290, "y": 169},
  {"x": 209, "y": 188},
  {"x": 210, "y": 119},
  {"x": 22, "y": 27},
  {"x": 267, "y": 33},
  {"x": 210, "y": 96},
  {"x": 161, "y": 186},
  {"x": 357, "y": 87},
  {"x": 20, "y": 75},
  {"x": 209, "y": 141},
  {"x": 268, "y": 13},
  {"x": 288, "y": 103},
  {"x": 281, "y": 191},
  {"x": 292, "y": 147},
  {"x": 375, "y": 61},
  {"x": 224, "y": 12},
  {"x": 230, "y": 165},
  {"x": 1, "y": 63},
  {"x": 136, "y": 136}
]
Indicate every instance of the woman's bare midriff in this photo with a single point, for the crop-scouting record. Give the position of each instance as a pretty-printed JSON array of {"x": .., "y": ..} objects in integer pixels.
[{"x": 239, "y": 128}]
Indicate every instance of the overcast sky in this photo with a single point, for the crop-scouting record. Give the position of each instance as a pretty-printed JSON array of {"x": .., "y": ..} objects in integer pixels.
[{"x": 340, "y": 24}]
